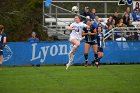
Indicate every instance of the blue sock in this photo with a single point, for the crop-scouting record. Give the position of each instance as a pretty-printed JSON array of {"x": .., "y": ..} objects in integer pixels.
[
  {"x": 86, "y": 57},
  {"x": 95, "y": 56}
]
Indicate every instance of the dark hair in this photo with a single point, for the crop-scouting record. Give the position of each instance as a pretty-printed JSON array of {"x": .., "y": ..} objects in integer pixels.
[
  {"x": 120, "y": 19},
  {"x": 87, "y": 20},
  {"x": 1, "y": 28},
  {"x": 138, "y": 5},
  {"x": 100, "y": 26}
]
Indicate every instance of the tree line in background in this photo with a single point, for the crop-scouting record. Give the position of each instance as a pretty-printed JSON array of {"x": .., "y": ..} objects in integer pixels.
[{"x": 20, "y": 18}]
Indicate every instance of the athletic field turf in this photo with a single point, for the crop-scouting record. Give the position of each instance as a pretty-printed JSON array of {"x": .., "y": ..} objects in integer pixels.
[{"x": 77, "y": 79}]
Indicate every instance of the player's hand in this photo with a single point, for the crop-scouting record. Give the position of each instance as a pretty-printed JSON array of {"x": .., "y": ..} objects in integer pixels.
[
  {"x": 89, "y": 34},
  {"x": 76, "y": 29},
  {"x": 88, "y": 26}
]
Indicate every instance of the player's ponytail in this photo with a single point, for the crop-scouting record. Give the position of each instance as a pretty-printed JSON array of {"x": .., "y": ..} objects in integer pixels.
[{"x": 1, "y": 28}]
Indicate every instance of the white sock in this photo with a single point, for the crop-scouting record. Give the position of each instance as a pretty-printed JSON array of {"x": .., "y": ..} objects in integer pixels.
[{"x": 72, "y": 52}]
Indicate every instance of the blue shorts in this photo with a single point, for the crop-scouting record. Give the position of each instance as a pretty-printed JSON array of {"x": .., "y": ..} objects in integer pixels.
[
  {"x": 1, "y": 51},
  {"x": 100, "y": 49}
]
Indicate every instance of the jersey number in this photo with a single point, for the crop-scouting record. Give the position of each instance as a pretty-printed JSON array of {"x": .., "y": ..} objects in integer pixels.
[{"x": 123, "y": 2}]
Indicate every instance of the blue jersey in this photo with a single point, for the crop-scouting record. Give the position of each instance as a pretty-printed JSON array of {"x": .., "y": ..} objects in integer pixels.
[
  {"x": 1, "y": 40},
  {"x": 100, "y": 42},
  {"x": 91, "y": 38},
  {"x": 33, "y": 40}
]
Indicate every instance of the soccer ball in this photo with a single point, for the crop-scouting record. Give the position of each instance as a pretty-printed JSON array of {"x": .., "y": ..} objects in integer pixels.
[{"x": 75, "y": 9}]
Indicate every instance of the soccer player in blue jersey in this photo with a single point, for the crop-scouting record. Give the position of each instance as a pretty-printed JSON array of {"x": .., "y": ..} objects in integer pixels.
[
  {"x": 90, "y": 41},
  {"x": 2, "y": 43},
  {"x": 101, "y": 44}
]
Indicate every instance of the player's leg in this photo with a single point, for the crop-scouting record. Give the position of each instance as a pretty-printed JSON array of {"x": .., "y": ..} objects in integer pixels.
[
  {"x": 99, "y": 58},
  {"x": 76, "y": 44},
  {"x": 95, "y": 49},
  {"x": 1, "y": 59},
  {"x": 87, "y": 47},
  {"x": 100, "y": 55}
]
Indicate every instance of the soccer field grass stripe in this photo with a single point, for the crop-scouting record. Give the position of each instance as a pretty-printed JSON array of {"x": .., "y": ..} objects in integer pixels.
[{"x": 78, "y": 79}]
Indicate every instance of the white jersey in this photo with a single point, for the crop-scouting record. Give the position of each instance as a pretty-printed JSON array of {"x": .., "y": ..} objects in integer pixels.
[{"x": 77, "y": 34}]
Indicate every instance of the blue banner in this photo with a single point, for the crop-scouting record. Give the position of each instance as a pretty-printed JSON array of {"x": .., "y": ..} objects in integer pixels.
[{"x": 23, "y": 53}]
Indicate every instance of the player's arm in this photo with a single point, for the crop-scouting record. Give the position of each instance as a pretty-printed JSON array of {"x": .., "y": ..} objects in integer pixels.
[
  {"x": 70, "y": 28},
  {"x": 84, "y": 34},
  {"x": 4, "y": 41},
  {"x": 86, "y": 26},
  {"x": 94, "y": 32},
  {"x": 104, "y": 42}
]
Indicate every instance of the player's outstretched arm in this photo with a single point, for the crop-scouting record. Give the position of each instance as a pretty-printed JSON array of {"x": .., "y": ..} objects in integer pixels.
[
  {"x": 84, "y": 34},
  {"x": 71, "y": 28}
]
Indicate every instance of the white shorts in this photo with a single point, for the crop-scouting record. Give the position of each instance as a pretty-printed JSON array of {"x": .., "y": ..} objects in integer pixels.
[{"x": 71, "y": 38}]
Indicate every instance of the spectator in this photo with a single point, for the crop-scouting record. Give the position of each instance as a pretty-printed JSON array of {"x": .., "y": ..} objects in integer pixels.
[
  {"x": 136, "y": 15},
  {"x": 119, "y": 35},
  {"x": 96, "y": 22},
  {"x": 110, "y": 27},
  {"x": 130, "y": 23},
  {"x": 126, "y": 19},
  {"x": 121, "y": 24},
  {"x": 116, "y": 18},
  {"x": 113, "y": 23},
  {"x": 130, "y": 35},
  {"x": 128, "y": 11},
  {"x": 136, "y": 7},
  {"x": 93, "y": 14},
  {"x": 86, "y": 13},
  {"x": 33, "y": 38},
  {"x": 109, "y": 21}
]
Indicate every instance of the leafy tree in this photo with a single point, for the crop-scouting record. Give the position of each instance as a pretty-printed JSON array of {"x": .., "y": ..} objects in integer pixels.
[{"x": 20, "y": 18}]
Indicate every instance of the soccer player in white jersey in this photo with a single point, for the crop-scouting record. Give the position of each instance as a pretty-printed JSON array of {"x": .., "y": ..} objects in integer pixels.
[{"x": 76, "y": 29}]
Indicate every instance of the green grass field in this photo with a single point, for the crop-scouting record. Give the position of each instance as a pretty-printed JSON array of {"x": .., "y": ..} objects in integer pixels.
[{"x": 77, "y": 79}]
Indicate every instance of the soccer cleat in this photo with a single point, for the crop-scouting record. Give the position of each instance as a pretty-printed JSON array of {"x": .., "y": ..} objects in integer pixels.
[
  {"x": 67, "y": 65},
  {"x": 71, "y": 56},
  {"x": 93, "y": 62},
  {"x": 97, "y": 64},
  {"x": 86, "y": 63}
]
